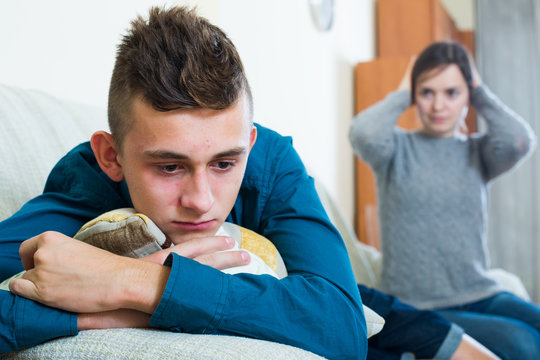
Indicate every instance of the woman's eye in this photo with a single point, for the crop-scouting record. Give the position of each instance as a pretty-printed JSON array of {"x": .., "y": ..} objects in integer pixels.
[
  {"x": 425, "y": 92},
  {"x": 452, "y": 92}
]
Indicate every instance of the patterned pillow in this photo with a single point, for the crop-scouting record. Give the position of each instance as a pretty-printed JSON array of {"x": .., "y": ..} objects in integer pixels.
[{"x": 128, "y": 233}]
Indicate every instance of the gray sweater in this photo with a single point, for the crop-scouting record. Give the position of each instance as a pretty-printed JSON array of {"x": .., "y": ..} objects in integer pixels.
[{"x": 432, "y": 196}]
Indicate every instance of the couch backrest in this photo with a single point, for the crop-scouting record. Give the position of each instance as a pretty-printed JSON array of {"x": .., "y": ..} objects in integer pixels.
[
  {"x": 366, "y": 260},
  {"x": 36, "y": 130}
]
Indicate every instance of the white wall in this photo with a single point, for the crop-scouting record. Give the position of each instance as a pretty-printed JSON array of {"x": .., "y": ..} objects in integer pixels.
[
  {"x": 64, "y": 47},
  {"x": 302, "y": 79}
]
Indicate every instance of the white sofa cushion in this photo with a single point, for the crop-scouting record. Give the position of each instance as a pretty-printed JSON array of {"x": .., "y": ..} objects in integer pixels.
[
  {"x": 35, "y": 131},
  {"x": 146, "y": 344}
]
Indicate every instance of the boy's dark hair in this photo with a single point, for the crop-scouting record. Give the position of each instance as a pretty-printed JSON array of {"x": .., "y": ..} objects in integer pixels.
[
  {"x": 442, "y": 54},
  {"x": 174, "y": 60}
]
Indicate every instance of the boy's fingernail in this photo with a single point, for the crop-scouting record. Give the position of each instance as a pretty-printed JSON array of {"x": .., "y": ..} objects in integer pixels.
[
  {"x": 229, "y": 241},
  {"x": 245, "y": 257}
]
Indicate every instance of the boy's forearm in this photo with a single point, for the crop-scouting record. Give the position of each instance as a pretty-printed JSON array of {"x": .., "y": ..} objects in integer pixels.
[
  {"x": 123, "y": 318},
  {"x": 68, "y": 274},
  {"x": 290, "y": 311},
  {"x": 25, "y": 323},
  {"x": 147, "y": 282}
]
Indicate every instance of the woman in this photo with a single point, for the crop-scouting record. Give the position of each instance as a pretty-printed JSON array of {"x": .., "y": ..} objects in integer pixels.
[{"x": 432, "y": 193}]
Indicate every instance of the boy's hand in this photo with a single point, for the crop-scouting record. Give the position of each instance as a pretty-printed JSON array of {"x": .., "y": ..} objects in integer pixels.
[
  {"x": 69, "y": 274},
  {"x": 206, "y": 250}
]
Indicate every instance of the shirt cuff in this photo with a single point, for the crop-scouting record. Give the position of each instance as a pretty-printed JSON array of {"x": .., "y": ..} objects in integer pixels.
[
  {"x": 36, "y": 323},
  {"x": 194, "y": 298},
  {"x": 450, "y": 343}
]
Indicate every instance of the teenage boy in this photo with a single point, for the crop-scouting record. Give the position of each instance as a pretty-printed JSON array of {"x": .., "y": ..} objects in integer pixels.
[{"x": 180, "y": 114}]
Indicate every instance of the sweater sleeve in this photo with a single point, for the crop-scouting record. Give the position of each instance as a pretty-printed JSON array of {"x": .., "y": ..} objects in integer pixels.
[
  {"x": 317, "y": 307},
  {"x": 372, "y": 131},
  {"x": 509, "y": 139}
]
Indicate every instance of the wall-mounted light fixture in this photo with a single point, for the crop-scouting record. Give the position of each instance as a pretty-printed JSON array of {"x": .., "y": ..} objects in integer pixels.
[{"x": 322, "y": 13}]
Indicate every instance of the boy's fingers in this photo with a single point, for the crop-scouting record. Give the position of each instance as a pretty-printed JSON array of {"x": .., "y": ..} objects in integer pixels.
[
  {"x": 201, "y": 246},
  {"x": 23, "y": 287},
  {"x": 210, "y": 251},
  {"x": 225, "y": 259},
  {"x": 26, "y": 252}
]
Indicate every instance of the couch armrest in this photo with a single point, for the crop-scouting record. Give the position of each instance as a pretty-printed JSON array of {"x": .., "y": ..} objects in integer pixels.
[
  {"x": 365, "y": 259},
  {"x": 510, "y": 282}
]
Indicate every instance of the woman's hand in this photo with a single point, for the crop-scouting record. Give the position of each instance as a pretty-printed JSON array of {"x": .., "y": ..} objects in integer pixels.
[
  {"x": 476, "y": 80},
  {"x": 405, "y": 83}
]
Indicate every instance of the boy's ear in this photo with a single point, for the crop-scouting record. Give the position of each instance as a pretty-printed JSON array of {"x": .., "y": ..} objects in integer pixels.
[
  {"x": 106, "y": 153},
  {"x": 252, "y": 136}
]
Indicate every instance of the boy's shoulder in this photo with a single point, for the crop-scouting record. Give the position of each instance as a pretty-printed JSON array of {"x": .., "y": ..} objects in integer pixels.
[
  {"x": 267, "y": 137},
  {"x": 270, "y": 149}
]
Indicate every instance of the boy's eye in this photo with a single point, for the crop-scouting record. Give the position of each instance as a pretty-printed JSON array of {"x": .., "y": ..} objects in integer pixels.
[
  {"x": 224, "y": 165},
  {"x": 171, "y": 168}
]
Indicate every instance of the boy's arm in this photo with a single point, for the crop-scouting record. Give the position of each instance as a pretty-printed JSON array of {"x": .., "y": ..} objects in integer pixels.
[
  {"x": 317, "y": 307},
  {"x": 25, "y": 323},
  {"x": 76, "y": 192}
]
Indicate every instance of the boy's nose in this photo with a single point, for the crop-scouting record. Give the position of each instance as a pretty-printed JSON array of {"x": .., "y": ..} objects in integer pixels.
[{"x": 197, "y": 195}]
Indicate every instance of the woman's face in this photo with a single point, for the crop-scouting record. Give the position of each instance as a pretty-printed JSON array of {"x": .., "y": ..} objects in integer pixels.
[{"x": 442, "y": 99}]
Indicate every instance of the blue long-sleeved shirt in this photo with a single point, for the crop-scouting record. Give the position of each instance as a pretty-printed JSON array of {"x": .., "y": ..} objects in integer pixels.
[{"x": 317, "y": 307}]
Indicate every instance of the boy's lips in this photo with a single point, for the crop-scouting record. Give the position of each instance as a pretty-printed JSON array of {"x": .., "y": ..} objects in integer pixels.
[{"x": 201, "y": 225}]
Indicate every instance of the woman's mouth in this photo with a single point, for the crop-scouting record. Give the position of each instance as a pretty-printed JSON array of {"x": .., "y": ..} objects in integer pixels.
[{"x": 437, "y": 119}]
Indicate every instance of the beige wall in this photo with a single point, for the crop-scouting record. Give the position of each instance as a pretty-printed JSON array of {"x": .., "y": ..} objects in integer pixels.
[{"x": 463, "y": 12}]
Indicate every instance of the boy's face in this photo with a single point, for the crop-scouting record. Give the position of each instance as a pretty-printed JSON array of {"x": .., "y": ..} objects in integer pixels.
[{"x": 184, "y": 168}]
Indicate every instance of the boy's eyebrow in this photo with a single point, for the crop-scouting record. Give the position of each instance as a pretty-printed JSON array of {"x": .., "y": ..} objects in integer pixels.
[
  {"x": 165, "y": 154},
  {"x": 232, "y": 152}
]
